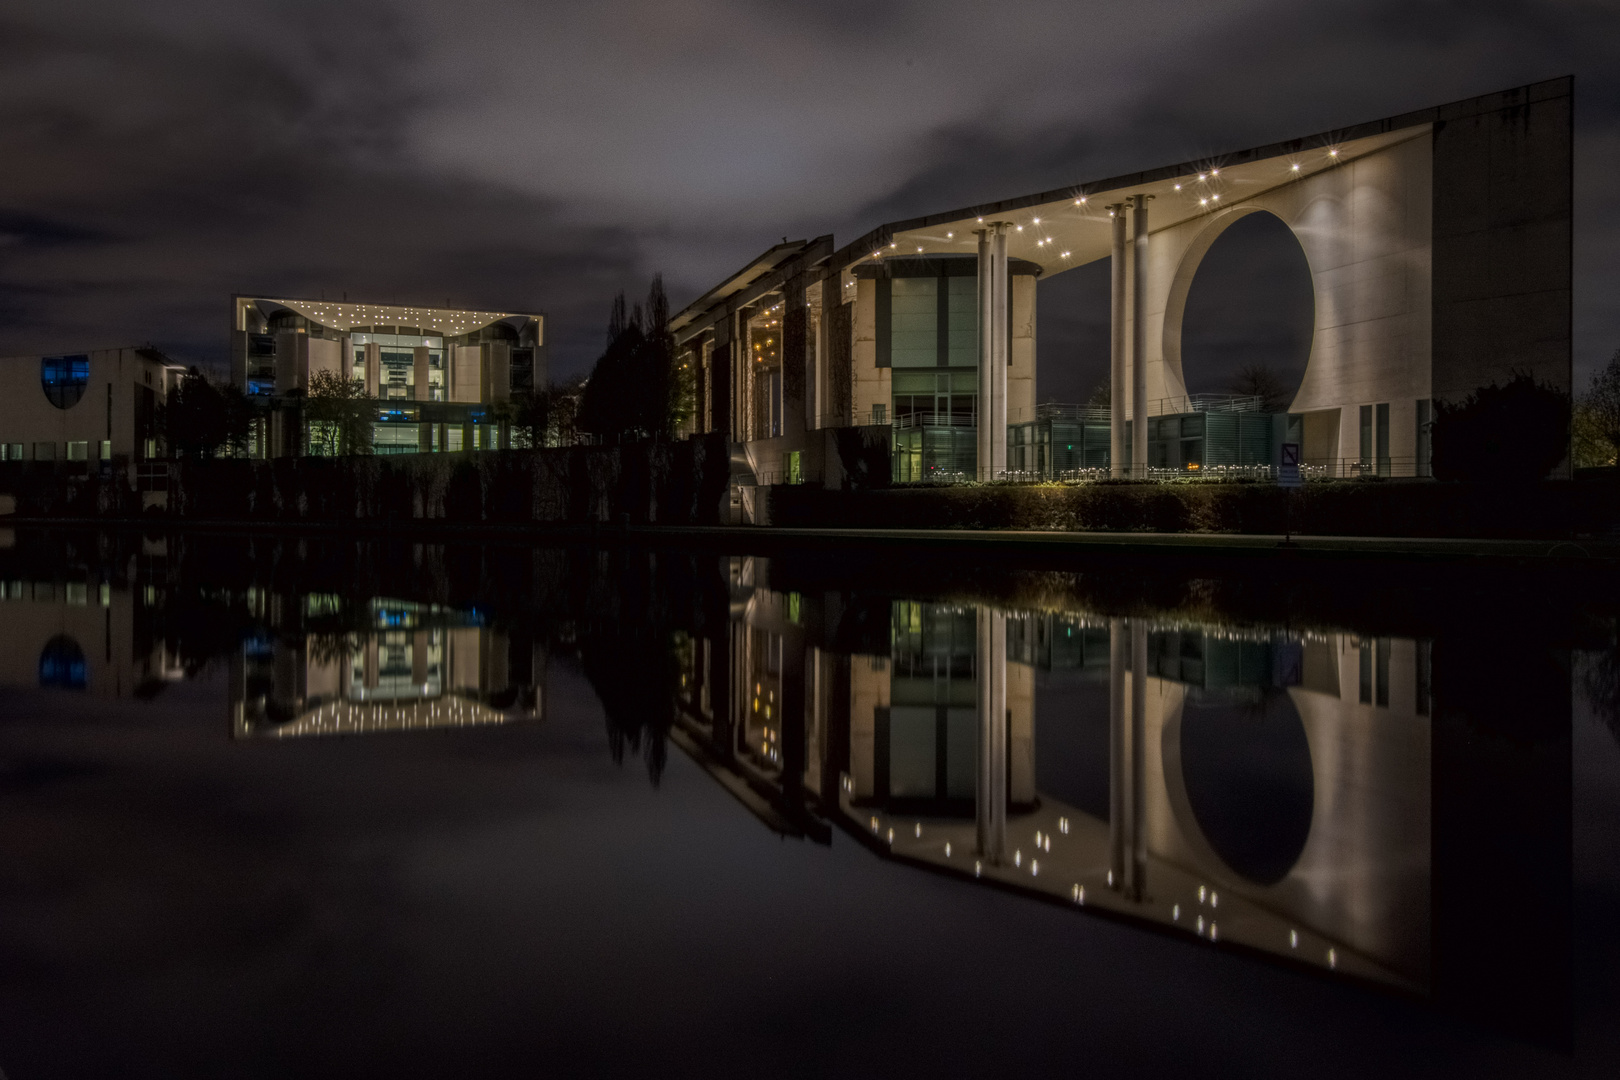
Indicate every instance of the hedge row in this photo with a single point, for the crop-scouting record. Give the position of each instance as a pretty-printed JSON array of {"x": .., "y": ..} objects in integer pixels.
[{"x": 1333, "y": 508}]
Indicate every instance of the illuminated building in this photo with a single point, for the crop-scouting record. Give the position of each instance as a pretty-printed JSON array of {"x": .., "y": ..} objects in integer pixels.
[
  {"x": 91, "y": 410},
  {"x": 412, "y": 667},
  {"x": 435, "y": 372},
  {"x": 1208, "y": 792},
  {"x": 1438, "y": 244}
]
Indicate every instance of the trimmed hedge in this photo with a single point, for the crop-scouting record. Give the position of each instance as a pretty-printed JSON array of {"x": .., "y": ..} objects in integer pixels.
[{"x": 1330, "y": 508}]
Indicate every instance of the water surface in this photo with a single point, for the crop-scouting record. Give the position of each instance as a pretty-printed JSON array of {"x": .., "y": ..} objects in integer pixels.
[{"x": 319, "y": 806}]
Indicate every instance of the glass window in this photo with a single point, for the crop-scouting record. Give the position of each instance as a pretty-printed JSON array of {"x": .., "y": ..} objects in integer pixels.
[
  {"x": 962, "y": 319},
  {"x": 395, "y": 438},
  {"x": 64, "y": 379},
  {"x": 44, "y": 451},
  {"x": 912, "y": 743},
  {"x": 1423, "y": 443},
  {"x": 914, "y": 322},
  {"x": 1382, "y": 438},
  {"x": 106, "y": 449},
  {"x": 78, "y": 450}
]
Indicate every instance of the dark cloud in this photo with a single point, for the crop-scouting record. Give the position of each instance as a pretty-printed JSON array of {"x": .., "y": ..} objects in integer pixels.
[{"x": 161, "y": 156}]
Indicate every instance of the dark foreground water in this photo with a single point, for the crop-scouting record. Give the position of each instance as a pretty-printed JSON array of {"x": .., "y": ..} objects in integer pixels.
[{"x": 328, "y": 807}]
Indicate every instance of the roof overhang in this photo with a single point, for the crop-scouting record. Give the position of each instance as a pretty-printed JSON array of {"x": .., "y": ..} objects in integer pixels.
[
  {"x": 759, "y": 277},
  {"x": 1069, "y": 227},
  {"x": 1060, "y": 230}
]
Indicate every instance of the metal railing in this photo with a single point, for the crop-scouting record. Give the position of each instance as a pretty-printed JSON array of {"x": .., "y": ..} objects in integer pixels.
[{"x": 934, "y": 419}]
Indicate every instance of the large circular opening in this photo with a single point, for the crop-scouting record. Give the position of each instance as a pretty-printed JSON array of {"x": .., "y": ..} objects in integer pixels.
[
  {"x": 1246, "y": 768},
  {"x": 1250, "y": 314}
]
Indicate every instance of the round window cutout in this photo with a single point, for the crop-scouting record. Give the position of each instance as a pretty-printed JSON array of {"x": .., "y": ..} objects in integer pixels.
[
  {"x": 1250, "y": 315},
  {"x": 1246, "y": 766},
  {"x": 62, "y": 665},
  {"x": 64, "y": 379}
]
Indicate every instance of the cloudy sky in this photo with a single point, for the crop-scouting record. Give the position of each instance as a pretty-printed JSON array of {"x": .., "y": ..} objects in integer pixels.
[{"x": 519, "y": 155}]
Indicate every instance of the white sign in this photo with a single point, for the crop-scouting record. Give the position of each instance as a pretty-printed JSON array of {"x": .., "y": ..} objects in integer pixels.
[{"x": 1288, "y": 472}]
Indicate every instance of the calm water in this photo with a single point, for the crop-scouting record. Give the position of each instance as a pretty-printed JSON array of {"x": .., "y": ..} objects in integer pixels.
[{"x": 319, "y": 807}]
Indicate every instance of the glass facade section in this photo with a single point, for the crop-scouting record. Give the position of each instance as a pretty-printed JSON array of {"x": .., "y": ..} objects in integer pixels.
[
  {"x": 396, "y": 438},
  {"x": 396, "y": 376},
  {"x": 1381, "y": 440},
  {"x": 935, "y": 433},
  {"x": 914, "y": 322},
  {"x": 962, "y": 322}
]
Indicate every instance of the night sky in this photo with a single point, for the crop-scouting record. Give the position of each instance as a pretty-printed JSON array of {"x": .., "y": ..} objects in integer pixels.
[{"x": 521, "y": 156}]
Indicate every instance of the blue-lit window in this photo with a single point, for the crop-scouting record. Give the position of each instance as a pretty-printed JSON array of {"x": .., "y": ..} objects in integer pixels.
[
  {"x": 64, "y": 379},
  {"x": 62, "y": 665}
]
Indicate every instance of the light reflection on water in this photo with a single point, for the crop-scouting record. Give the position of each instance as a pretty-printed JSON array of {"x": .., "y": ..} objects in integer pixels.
[{"x": 1325, "y": 796}]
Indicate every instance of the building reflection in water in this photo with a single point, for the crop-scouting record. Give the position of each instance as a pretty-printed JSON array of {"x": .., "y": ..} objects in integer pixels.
[
  {"x": 83, "y": 636},
  {"x": 1354, "y": 804},
  {"x": 408, "y": 666},
  {"x": 1265, "y": 789}
]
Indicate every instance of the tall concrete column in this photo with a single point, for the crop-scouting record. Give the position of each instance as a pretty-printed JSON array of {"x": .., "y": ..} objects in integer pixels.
[
  {"x": 1000, "y": 342},
  {"x": 1127, "y": 730},
  {"x": 1136, "y": 870},
  {"x": 1139, "y": 404},
  {"x": 419, "y": 374},
  {"x": 1118, "y": 747},
  {"x": 1117, "y": 352},
  {"x": 373, "y": 368},
  {"x": 991, "y": 800},
  {"x": 985, "y": 366},
  {"x": 743, "y": 425}
]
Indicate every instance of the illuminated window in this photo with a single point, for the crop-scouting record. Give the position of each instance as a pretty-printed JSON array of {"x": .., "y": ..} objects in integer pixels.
[{"x": 64, "y": 379}]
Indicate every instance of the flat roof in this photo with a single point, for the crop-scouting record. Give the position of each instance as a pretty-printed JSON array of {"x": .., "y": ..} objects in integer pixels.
[{"x": 346, "y": 315}]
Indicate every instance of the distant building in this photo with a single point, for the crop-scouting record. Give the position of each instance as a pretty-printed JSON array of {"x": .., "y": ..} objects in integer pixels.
[
  {"x": 96, "y": 407},
  {"x": 413, "y": 667},
  {"x": 434, "y": 372},
  {"x": 81, "y": 635}
]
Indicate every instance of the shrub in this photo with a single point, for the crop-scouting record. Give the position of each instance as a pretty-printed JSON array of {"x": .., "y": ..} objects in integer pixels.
[{"x": 1517, "y": 432}]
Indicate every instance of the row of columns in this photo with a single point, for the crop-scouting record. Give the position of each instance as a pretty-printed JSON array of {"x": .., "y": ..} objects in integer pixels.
[
  {"x": 1127, "y": 726},
  {"x": 1128, "y": 356}
]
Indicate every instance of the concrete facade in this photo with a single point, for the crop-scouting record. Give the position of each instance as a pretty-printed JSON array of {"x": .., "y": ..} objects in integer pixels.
[{"x": 104, "y": 407}]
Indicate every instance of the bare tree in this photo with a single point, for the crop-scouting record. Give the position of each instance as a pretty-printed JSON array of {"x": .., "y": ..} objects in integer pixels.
[
  {"x": 1263, "y": 382},
  {"x": 339, "y": 414},
  {"x": 1597, "y": 418}
]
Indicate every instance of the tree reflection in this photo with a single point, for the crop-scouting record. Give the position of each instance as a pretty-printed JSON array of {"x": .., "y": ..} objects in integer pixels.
[{"x": 1600, "y": 682}]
